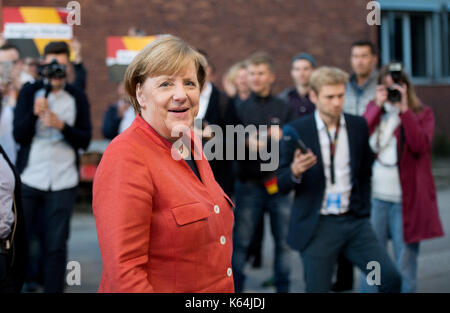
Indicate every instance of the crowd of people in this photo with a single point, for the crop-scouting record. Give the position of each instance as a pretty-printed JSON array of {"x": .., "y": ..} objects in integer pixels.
[{"x": 354, "y": 172}]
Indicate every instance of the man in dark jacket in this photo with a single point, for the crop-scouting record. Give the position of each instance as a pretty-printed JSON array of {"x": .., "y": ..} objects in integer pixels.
[
  {"x": 215, "y": 108},
  {"x": 256, "y": 188},
  {"x": 302, "y": 66},
  {"x": 331, "y": 180},
  {"x": 51, "y": 123}
]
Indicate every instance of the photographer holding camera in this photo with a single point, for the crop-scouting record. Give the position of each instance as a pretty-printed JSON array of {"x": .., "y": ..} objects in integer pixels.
[
  {"x": 51, "y": 123},
  {"x": 404, "y": 204}
]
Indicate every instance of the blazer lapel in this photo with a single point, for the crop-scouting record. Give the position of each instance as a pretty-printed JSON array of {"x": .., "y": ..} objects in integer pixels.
[
  {"x": 312, "y": 141},
  {"x": 352, "y": 143},
  {"x": 200, "y": 158}
]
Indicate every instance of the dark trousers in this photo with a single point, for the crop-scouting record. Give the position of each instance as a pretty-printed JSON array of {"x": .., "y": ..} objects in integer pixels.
[
  {"x": 344, "y": 273},
  {"x": 353, "y": 237},
  {"x": 255, "y": 248},
  {"x": 47, "y": 218},
  {"x": 251, "y": 200}
]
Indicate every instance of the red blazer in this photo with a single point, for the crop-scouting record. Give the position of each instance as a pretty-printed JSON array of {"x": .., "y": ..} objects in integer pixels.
[
  {"x": 419, "y": 202},
  {"x": 160, "y": 228}
]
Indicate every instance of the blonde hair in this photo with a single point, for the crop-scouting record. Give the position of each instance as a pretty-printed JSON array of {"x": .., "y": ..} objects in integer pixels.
[
  {"x": 166, "y": 55},
  {"x": 232, "y": 72},
  {"x": 261, "y": 58},
  {"x": 326, "y": 75}
]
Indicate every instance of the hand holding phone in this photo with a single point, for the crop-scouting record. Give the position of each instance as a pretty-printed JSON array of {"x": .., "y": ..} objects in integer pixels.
[
  {"x": 301, "y": 145},
  {"x": 303, "y": 159}
]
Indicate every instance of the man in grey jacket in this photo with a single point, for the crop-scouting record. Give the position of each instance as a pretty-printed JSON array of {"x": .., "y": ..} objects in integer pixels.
[{"x": 363, "y": 82}]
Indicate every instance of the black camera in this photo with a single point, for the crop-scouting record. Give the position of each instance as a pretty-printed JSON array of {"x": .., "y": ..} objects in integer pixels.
[
  {"x": 395, "y": 70},
  {"x": 52, "y": 70}
]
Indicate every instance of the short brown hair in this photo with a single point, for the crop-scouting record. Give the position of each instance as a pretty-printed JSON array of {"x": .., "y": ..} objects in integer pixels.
[
  {"x": 365, "y": 43},
  {"x": 57, "y": 47},
  {"x": 166, "y": 55},
  {"x": 326, "y": 75},
  {"x": 261, "y": 58}
]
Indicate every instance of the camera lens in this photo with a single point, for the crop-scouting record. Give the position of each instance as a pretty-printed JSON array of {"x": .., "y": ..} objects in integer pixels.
[{"x": 394, "y": 95}]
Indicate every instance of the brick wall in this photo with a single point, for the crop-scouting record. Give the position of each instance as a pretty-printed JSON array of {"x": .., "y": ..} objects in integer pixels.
[
  {"x": 438, "y": 97},
  {"x": 229, "y": 30}
]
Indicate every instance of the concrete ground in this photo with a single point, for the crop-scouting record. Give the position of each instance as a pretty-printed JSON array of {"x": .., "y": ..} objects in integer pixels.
[{"x": 434, "y": 258}]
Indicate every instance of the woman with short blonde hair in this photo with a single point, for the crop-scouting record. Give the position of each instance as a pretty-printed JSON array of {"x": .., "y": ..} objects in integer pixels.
[
  {"x": 163, "y": 222},
  {"x": 166, "y": 55}
]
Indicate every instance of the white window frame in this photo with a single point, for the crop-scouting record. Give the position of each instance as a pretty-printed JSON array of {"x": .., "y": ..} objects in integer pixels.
[{"x": 436, "y": 29}]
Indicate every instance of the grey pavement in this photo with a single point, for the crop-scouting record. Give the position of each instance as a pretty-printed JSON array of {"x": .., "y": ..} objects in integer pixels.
[{"x": 434, "y": 257}]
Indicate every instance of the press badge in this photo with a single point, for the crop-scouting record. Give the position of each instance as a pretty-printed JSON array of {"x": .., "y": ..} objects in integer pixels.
[{"x": 333, "y": 203}]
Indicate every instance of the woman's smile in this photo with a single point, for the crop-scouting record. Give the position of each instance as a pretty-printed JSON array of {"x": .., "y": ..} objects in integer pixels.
[{"x": 179, "y": 113}]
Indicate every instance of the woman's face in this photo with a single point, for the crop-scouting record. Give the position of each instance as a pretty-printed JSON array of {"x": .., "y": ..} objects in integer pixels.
[
  {"x": 170, "y": 102},
  {"x": 241, "y": 80},
  {"x": 388, "y": 81}
]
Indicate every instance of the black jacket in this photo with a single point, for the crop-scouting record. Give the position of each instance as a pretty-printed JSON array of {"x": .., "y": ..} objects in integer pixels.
[
  {"x": 111, "y": 122},
  {"x": 310, "y": 192},
  {"x": 15, "y": 279},
  {"x": 78, "y": 136},
  {"x": 80, "y": 76},
  {"x": 259, "y": 111},
  {"x": 221, "y": 112}
]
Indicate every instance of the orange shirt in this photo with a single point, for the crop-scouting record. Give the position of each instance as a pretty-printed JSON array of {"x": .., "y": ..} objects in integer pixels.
[{"x": 159, "y": 227}]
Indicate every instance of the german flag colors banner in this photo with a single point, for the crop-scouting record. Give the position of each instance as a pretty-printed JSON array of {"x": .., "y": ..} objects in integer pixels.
[
  {"x": 120, "y": 51},
  {"x": 271, "y": 186},
  {"x": 32, "y": 28}
]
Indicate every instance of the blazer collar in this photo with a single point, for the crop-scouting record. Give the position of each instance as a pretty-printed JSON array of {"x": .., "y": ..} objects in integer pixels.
[
  {"x": 160, "y": 140},
  {"x": 351, "y": 135},
  {"x": 140, "y": 123},
  {"x": 315, "y": 146},
  {"x": 199, "y": 156},
  {"x": 321, "y": 125},
  {"x": 352, "y": 142}
]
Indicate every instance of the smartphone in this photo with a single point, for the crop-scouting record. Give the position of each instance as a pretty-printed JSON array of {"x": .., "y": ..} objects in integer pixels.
[{"x": 301, "y": 145}]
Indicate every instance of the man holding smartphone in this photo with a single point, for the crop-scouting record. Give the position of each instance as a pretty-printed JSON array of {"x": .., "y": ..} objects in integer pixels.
[{"x": 330, "y": 214}]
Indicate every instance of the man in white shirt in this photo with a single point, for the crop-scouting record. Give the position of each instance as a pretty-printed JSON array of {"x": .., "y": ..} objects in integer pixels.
[
  {"x": 51, "y": 124},
  {"x": 331, "y": 180}
]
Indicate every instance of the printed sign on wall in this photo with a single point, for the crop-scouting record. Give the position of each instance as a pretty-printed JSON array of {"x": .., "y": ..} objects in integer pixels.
[
  {"x": 32, "y": 28},
  {"x": 120, "y": 51}
]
